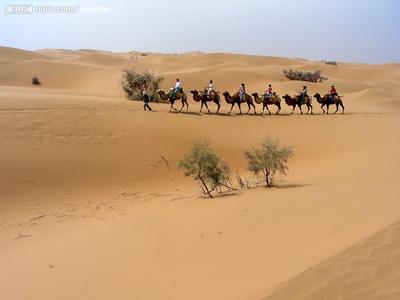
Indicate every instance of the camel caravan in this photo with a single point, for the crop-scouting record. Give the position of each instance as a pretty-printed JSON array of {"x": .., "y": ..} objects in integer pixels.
[{"x": 269, "y": 97}]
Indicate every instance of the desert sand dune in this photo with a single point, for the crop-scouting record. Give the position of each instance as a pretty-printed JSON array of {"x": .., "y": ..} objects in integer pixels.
[
  {"x": 368, "y": 270},
  {"x": 92, "y": 205}
]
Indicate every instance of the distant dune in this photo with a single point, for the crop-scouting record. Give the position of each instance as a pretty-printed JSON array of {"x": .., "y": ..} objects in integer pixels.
[{"x": 89, "y": 208}]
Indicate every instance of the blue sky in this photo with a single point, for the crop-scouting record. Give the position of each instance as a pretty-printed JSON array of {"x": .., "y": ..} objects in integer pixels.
[{"x": 352, "y": 30}]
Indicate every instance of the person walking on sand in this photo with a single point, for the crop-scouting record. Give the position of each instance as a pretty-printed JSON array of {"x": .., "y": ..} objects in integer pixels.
[
  {"x": 242, "y": 91},
  {"x": 145, "y": 98}
]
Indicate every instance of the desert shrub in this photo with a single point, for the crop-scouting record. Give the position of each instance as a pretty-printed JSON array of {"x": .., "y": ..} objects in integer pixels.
[
  {"x": 268, "y": 159},
  {"x": 35, "y": 81},
  {"x": 206, "y": 167},
  {"x": 133, "y": 84},
  {"x": 334, "y": 63},
  {"x": 304, "y": 76}
]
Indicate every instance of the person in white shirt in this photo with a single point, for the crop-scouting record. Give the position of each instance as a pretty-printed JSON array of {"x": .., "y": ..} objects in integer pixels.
[
  {"x": 210, "y": 88},
  {"x": 177, "y": 88}
]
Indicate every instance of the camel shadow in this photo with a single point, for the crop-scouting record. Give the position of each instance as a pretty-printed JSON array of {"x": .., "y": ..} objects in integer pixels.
[
  {"x": 221, "y": 114},
  {"x": 192, "y": 113},
  {"x": 252, "y": 114}
]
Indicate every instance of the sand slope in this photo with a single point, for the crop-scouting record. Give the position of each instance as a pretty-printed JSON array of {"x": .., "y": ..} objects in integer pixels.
[
  {"x": 368, "y": 270},
  {"x": 90, "y": 210}
]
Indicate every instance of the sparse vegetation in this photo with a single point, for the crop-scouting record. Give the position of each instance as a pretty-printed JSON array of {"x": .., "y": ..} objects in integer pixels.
[
  {"x": 207, "y": 168},
  {"x": 134, "y": 83},
  {"x": 35, "y": 81},
  {"x": 304, "y": 76},
  {"x": 334, "y": 63},
  {"x": 268, "y": 159}
]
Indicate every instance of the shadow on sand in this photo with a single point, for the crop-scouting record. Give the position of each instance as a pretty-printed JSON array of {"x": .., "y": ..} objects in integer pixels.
[
  {"x": 192, "y": 113},
  {"x": 289, "y": 185}
]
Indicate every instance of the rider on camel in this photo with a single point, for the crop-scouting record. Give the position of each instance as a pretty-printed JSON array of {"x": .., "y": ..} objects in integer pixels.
[
  {"x": 176, "y": 89},
  {"x": 303, "y": 94},
  {"x": 332, "y": 94},
  {"x": 268, "y": 91},
  {"x": 242, "y": 91},
  {"x": 209, "y": 89}
]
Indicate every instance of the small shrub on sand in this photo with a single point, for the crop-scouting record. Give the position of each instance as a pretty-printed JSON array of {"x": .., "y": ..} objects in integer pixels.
[
  {"x": 333, "y": 63},
  {"x": 35, "y": 80},
  {"x": 268, "y": 159},
  {"x": 304, "y": 76},
  {"x": 133, "y": 84},
  {"x": 206, "y": 167}
]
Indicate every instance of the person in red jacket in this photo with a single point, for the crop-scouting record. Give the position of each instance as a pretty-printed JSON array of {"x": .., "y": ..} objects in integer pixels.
[{"x": 332, "y": 93}]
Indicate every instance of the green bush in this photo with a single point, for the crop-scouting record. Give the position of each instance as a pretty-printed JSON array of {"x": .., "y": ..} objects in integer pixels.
[
  {"x": 304, "y": 76},
  {"x": 133, "y": 84},
  {"x": 333, "y": 63},
  {"x": 206, "y": 167},
  {"x": 268, "y": 159}
]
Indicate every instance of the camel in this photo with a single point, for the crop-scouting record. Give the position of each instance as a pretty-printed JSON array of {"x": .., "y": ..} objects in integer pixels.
[
  {"x": 295, "y": 101},
  {"x": 214, "y": 97},
  {"x": 235, "y": 99},
  {"x": 337, "y": 100},
  {"x": 179, "y": 95},
  {"x": 274, "y": 100}
]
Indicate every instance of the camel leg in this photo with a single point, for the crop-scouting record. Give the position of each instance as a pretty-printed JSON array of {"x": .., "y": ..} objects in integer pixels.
[
  {"x": 187, "y": 105},
  {"x": 341, "y": 104},
  {"x": 322, "y": 107},
  {"x": 219, "y": 106},
  {"x": 201, "y": 106},
  {"x": 337, "y": 107},
  {"x": 240, "y": 109},
  {"x": 279, "y": 108},
  {"x": 231, "y": 107},
  {"x": 205, "y": 103},
  {"x": 254, "y": 107},
  {"x": 172, "y": 107},
  {"x": 311, "y": 109},
  {"x": 327, "y": 109},
  {"x": 248, "y": 104},
  {"x": 293, "y": 109},
  {"x": 266, "y": 106},
  {"x": 183, "y": 105},
  {"x": 301, "y": 111}
]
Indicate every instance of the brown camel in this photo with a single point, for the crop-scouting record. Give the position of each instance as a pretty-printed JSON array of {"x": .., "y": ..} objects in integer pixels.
[
  {"x": 274, "y": 100},
  {"x": 235, "y": 99},
  {"x": 214, "y": 97},
  {"x": 325, "y": 100},
  {"x": 179, "y": 96},
  {"x": 295, "y": 100}
]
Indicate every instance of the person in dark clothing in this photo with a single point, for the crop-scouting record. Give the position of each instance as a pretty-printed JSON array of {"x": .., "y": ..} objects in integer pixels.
[
  {"x": 303, "y": 94},
  {"x": 242, "y": 91},
  {"x": 146, "y": 100}
]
